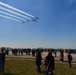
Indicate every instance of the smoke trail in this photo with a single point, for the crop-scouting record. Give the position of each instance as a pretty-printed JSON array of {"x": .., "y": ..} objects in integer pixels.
[
  {"x": 6, "y": 5},
  {"x": 10, "y": 18},
  {"x": 14, "y": 12},
  {"x": 12, "y": 15}
]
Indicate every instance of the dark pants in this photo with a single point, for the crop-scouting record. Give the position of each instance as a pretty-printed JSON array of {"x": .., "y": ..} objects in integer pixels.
[
  {"x": 69, "y": 63},
  {"x": 38, "y": 69},
  {"x": 2, "y": 67},
  {"x": 48, "y": 73},
  {"x": 49, "y": 70}
]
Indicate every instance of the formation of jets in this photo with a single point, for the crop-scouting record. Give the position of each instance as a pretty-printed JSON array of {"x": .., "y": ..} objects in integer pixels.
[{"x": 15, "y": 14}]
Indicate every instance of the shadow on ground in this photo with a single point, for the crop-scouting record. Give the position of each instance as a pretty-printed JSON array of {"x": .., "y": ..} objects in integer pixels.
[
  {"x": 43, "y": 72},
  {"x": 10, "y": 74}
]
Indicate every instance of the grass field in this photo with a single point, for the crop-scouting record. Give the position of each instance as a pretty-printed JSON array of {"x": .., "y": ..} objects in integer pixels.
[{"x": 23, "y": 66}]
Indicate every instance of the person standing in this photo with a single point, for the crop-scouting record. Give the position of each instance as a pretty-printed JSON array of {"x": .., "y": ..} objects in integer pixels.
[
  {"x": 49, "y": 63},
  {"x": 38, "y": 61},
  {"x": 55, "y": 53},
  {"x": 61, "y": 56},
  {"x": 69, "y": 59},
  {"x": 2, "y": 60}
]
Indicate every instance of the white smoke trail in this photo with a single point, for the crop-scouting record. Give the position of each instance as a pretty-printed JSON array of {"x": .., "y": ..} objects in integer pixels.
[
  {"x": 6, "y": 5},
  {"x": 12, "y": 15},
  {"x": 10, "y": 18},
  {"x": 14, "y": 12}
]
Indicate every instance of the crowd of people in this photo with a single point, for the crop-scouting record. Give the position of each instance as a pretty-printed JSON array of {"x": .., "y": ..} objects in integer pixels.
[{"x": 49, "y": 61}]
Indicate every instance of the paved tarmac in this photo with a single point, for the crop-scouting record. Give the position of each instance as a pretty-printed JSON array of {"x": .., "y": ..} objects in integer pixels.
[{"x": 44, "y": 54}]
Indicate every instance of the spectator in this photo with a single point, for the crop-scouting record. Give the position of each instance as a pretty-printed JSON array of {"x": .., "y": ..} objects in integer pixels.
[
  {"x": 69, "y": 59},
  {"x": 38, "y": 61},
  {"x": 55, "y": 53},
  {"x": 2, "y": 49},
  {"x": 61, "y": 56},
  {"x": 49, "y": 62}
]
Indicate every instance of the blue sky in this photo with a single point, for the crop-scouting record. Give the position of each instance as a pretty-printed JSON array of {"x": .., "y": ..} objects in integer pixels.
[{"x": 56, "y": 27}]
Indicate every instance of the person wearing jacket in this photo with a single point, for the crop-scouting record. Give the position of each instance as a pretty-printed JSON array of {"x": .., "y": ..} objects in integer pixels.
[
  {"x": 49, "y": 63},
  {"x": 38, "y": 61},
  {"x": 69, "y": 59}
]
